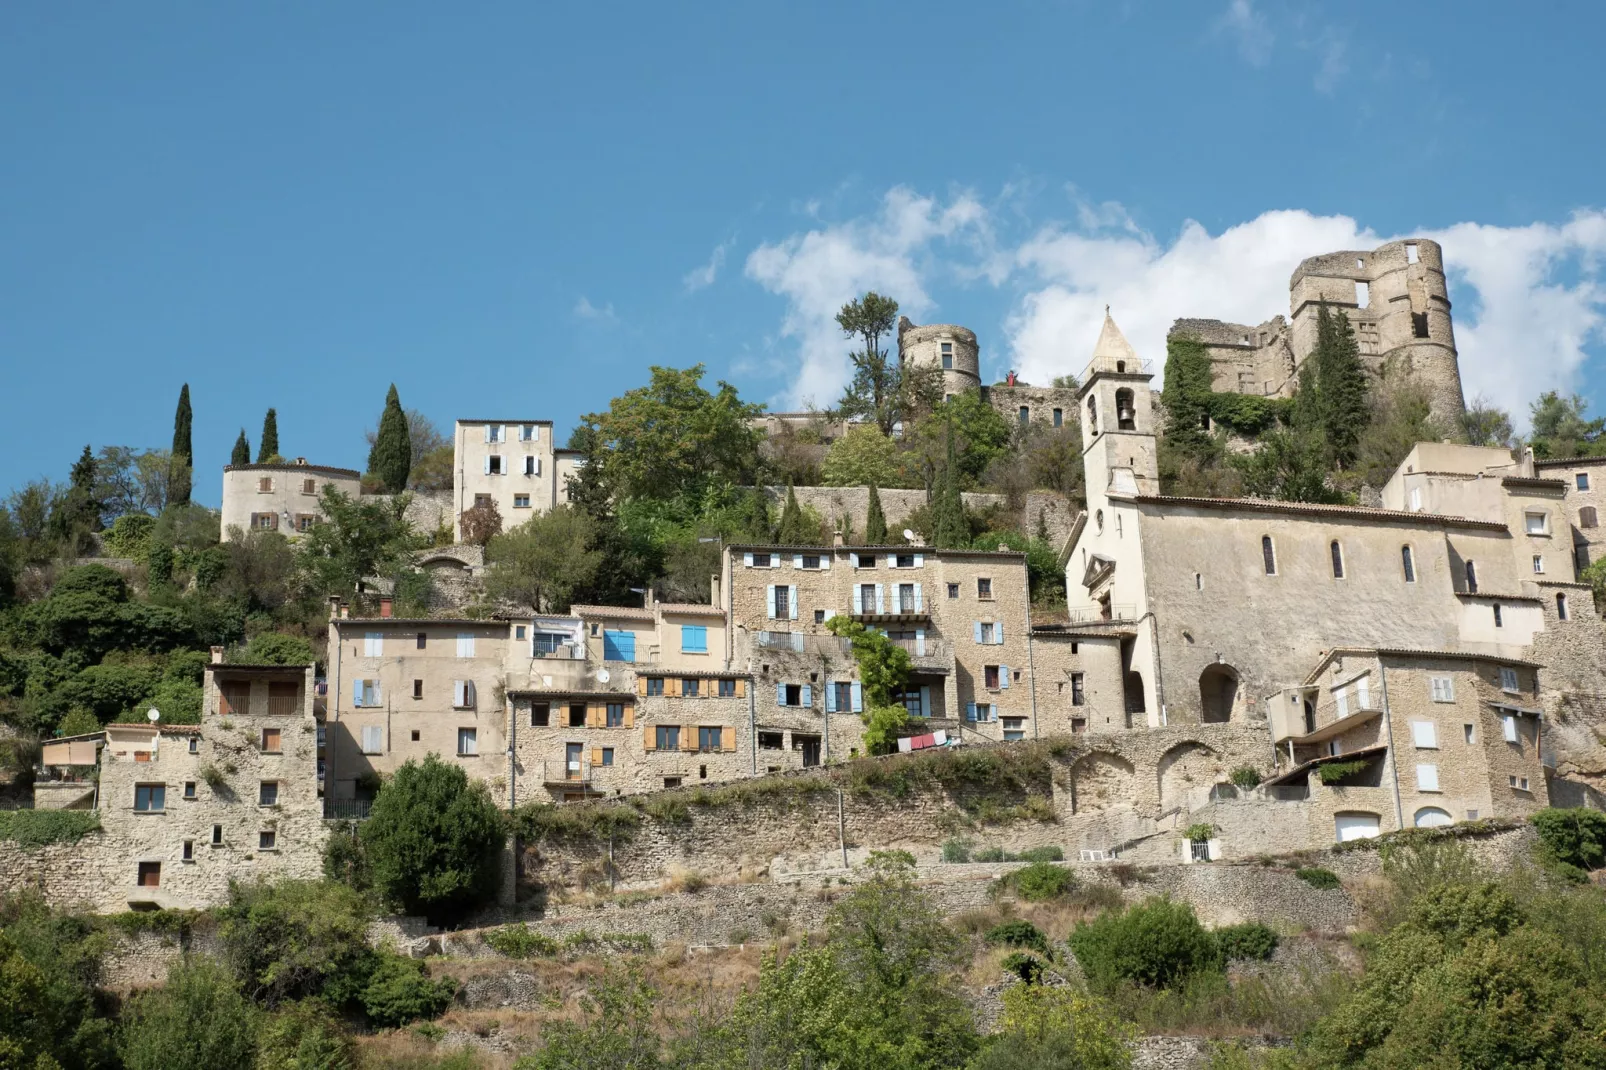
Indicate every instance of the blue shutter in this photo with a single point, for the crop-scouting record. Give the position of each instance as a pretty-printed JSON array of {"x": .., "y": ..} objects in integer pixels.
[
  {"x": 855, "y": 559},
  {"x": 977, "y": 632},
  {"x": 830, "y": 696},
  {"x": 920, "y": 560},
  {"x": 780, "y": 694},
  {"x": 920, "y": 604},
  {"x": 808, "y": 696},
  {"x": 356, "y": 692},
  {"x": 747, "y": 559},
  {"x": 1003, "y": 677},
  {"x": 791, "y": 603},
  {"x": 998, "y": 634},
  {"x": 920, "y": 642},
  {"x": 925, "y": 702},
  {"x": 858, "y": 603},
  {"x": 797, "y": 560},
  {"x": 857, "y": 690},
  {"x": 770, "y": 594},
  {"x": 970, "y": 711}
]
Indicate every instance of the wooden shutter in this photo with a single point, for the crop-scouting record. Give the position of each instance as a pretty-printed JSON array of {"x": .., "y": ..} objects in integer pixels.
[
  {"x": 688, "y": 737},
  {"x": 630, "y": 715},
  {"x": 741, "y": 689},
  {"x": 596, "y": 756},
  {"x": 641, "y": 686},
  {"x": 649, "y": 741},
  {"x": 830, "y": 696},
  {"x": 672, "y": 686},
  {"x": 727, "y": 738},
  {"x": 596, "y": 715}
]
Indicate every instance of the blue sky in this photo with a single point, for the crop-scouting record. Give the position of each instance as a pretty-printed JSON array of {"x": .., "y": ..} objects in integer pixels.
[{"x": 514, "y": 209}]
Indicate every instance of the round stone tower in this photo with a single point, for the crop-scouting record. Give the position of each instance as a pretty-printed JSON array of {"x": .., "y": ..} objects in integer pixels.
[
  {"x": 942, "y": 345},
  {"x": 1399, "y": 305}
]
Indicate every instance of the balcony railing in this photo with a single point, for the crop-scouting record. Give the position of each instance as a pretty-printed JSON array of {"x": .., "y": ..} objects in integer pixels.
[
  {"x": 1117, "y": 366},
  {"x": 1100, "y": 614},
  {"x": 576, "y": 773},
  {"x": 347, "y": 809}
]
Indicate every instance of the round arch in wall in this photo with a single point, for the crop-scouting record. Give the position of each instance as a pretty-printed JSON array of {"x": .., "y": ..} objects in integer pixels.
[
  {"x": 1431, "y": 817},
  {"x": 1218, "y": 693}
]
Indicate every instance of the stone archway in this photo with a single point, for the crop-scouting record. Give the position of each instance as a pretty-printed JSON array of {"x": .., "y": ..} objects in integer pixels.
[
  {"x": 1218, "y": 693},
  {"x": 1185, "y": 774},
  {"x": 1100, "y": 781}
]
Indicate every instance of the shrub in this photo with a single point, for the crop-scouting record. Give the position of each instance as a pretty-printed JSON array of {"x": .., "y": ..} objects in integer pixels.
[
  {"x": 956, "y": 850},
  {"x": 433, "y": 840},
  {"x": 1572, "y": 836},
  {"x": 129, "y": 536},
  {"x": 988, "y": 854},
  {"x": 1055, "y": 1027},
  {"x": 400, "y": 991},
  {"x": 36, "y": 828},
  {"x": 294, "y": 939},
  {"x": 1246, "y": 777},
  {"x": 1028, "y": 968},
  {"x": 274, "y": 648},
  {"x": 1042, "y": 854},
  {"x": 520, "y": 942},
  {"x": 1018, "y": 933},
  {"x": 1157, "y": 943},
  {"x": 1042, "y": 880},
  {"x": 1334, "y": 772},
  {"x": 1200, "y": 833},
  {"x": 198, "y": 1019},
  {"x": 1251, "y": 940},
  {"x": 1317, "y": 877},
  {"x": 302, "y": 1036}
]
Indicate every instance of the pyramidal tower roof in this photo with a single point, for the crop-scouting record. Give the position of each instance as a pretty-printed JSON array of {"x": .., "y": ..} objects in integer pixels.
[{"x": 1112, "y": 344}]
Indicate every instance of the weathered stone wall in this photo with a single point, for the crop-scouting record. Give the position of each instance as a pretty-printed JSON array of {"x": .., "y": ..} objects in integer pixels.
[{"x": 897, "y": 503}]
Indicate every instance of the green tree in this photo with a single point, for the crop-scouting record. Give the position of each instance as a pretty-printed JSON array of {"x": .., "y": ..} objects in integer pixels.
[
  {"x": 617, "y": 1032},
  {"x": 433, "y": 840},
  {"x": 77, "y": 513},
  {"x": 981, "y": 436},
  {"x": 950, "y": 530},
  {"x": 391, "y": 457},
  {"x": 242, "y": 450},
  {"x": 1337, "y": 384},
  {"x": 544, "y": 560},
  {"x": 268, "y": 448},
  {"x": 294, "y": 939},
  {"x": 180, "y": 475},
  {"x": 1486, "y": 425},
  {"x": 357, "y": 540},
  {"x": 431, "y": 452},
  {"x": 624, "y": 559},
  {"x": 1189, "y": 382},
  {"x": 1560, "y": 428},
  {"x": 795, "y": 528},
  {"x": 862, "y": 455},
  {"x": 1289, "y": 465},
  {"x": 1053, "y": 1028},
  {"x": 1157, "y": 943},
  {"x": 883, "y": 674},
  {"x": 884, "y": 390},
  {"x": 399, "y": 990},
  {"x": 304, "y": 1036},
  {"x": 875, "y": 521},
  {"x": 49, "y": 971},
  {"x": 672, "y": 439},
  {"x": 197, "y": 1020},
  {"x": 1401, "y": 417}
]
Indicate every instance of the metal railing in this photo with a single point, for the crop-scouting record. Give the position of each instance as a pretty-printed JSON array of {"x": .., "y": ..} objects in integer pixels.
[
  {"x": 347, "y": 809},
  {"x": 1117, "y": 366},
  {"x": 560, "y": 771},
  {"x": 1098, "y": 614}
]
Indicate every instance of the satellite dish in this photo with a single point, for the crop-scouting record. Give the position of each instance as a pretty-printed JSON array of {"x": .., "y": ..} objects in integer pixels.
[
  {"x": 603, "y": 676},
  {"x": 907, "y": 534},
  {"x": 153, "y": 715}
]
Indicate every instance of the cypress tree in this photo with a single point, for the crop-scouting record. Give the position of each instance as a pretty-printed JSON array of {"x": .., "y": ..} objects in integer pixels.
[
  {"x": 1342, "y": 391},
  {"x": 181, "y": 463},
  {"x": 1187, "y": 395},
  {"x": 949, "y": 529},
  {"x": 391, "y": 459},
  {"x": 242, "y": 450},
  {"x": 794, "y": 529},
  {"x": 78, "y": 511},
  {"x": 268, "y": 448},
  {"x": 875, "y": 521}
]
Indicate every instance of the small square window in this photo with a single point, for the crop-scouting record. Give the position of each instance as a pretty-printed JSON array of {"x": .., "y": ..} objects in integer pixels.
[
  {"x": 414, "y": 735},
  {"x": 1535, "y": 523},
  {"x": 953, "y": 590},
  {"x": 493, "y": 465},
  {"x": 189, "y": 789},
  {"x": 195, "y": 745},
  {"x": 150, "y": 874},
  {"x": 267, "y": 840},
  {"x": 422, "y": 640},
  {"x": 819, "y": 616},
  {"x": 518, "y": 631},
  {"x": 615, "y": 715},
  {"x": 521, "y": 501},
  {"x": 984, "y": 587},
  {"x": 655, "y": 685},
  {"x": 761, "y": 560},
  {"x": 540, "y": 715},
  {"x": 418, "y": 689},
  {"x": 189, "y": 850},
  {"x": 271, "y": 741},
  {"x": 607, "y": 755},
  {"x": 268, "y": 793},
  {"x": 906, "y": 560},
  {"x": 1583, "y": 480},
  {"x": 1508, "y": 679},
  {"x": 309, "y": 486}
]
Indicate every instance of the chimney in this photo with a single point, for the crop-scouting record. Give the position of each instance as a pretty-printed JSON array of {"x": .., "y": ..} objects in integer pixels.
[
  {"x": 713, "y": 590},
  {"x": 217, "y": 655},
  {"x": 384, "y": 606},
  {"x": 334, "y": 607},
  {"x": 836, "y": 539}
]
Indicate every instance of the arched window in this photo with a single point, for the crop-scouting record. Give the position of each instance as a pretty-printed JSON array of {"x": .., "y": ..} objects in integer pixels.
[
  {"x": 1472, "y": 578},
  {"x": 1586, "y": 517},
  {"x": 1126, "y": 417},
  {"x": 1338, "y": 559},
  {"x": 1268, "y": 554},
  {"x": 1431, "y": 817},
  {"x": 1561, "y": 607},
  {"x": 1407, "y": 565}
]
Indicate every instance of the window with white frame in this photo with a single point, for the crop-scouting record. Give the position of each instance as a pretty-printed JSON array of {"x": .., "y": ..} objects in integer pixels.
[
  {"x": 1014, "y": 728},
  {"x": 493, "y": 432},
  {"x": 1582, "y": 479},
  {"x": 1427, "y": 776},
  {"x": 1534, "y": 523},
  {"x": 1424, "y": 735},
  {"x": 529, "y": 433},
  {"x": 366, "y": 693},
  {"x": 1518, "y": 782},
  {"x": 521, "y": 501},
  {"x": 465, "y": 645},
  {"x": 1508, "y": 724},
  {"x": 373, "y": 645},
  {"x": 1508, "y": 679},
  {"x": 468, "y": 742},
  {"x": 1442, "y": 688},
  {"x": 532, "y": 466},
  {"x": 1539, "y": 563},
  {"x": 463, "y": 694}
]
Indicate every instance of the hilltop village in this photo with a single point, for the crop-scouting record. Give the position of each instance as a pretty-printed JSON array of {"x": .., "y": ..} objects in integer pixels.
[{"x": 1287, "y": 674}]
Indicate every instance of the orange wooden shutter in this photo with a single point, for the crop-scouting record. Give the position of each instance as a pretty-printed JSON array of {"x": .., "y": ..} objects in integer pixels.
[
  {"x": 727, "y": 738},
  {"x": 741, "y": 689},
  {"x": 630, "y": 715},
  {"x": 688, "y": 737},
  {"x": 672, "y": 686},
  {"x": 596, "y": 756},
  {"x": 641, "y": 685},
  {"x": 597, "y": 715},
  {"x": 649, "y": 741}
]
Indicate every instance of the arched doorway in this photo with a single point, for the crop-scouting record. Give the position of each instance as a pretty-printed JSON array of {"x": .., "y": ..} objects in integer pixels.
[
  {"x": 1218, "y": 693},
  {"x": 1431, "y": 817}
]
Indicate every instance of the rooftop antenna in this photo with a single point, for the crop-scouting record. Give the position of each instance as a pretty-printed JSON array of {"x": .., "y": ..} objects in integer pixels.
[{"x": 908, "y": 535}]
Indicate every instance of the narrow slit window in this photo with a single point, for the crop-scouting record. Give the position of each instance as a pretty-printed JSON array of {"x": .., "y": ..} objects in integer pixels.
[
  {"x": 1407, "y": 566},
  {"x": 1268, "y": 554},
  {"x": 1338, "y": 559}
]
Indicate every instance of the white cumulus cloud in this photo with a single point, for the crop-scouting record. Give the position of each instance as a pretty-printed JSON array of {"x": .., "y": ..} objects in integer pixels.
[
  {"x": 585, "y": 310},
  {"x": 1529, "y": 300}
]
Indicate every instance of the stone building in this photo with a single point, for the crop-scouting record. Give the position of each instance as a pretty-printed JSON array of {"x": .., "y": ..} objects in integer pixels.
[
  {"x": 955, "y": 351},
  {"x": 1397, "y": 301},
  {"x": 280, "y": 497},
  {"x": 514, "y": 464},
  {"x": 187, "y": 809},
  {"x": 1583, "y": 478},
  {"x": 963, "y": 616},
  {"x": 1409, "y": 739}
]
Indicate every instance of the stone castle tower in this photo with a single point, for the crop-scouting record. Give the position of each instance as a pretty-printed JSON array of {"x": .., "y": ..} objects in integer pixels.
[
  {"x": 1398, "y": 304},
  {"x": 944, "y": 345}
]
